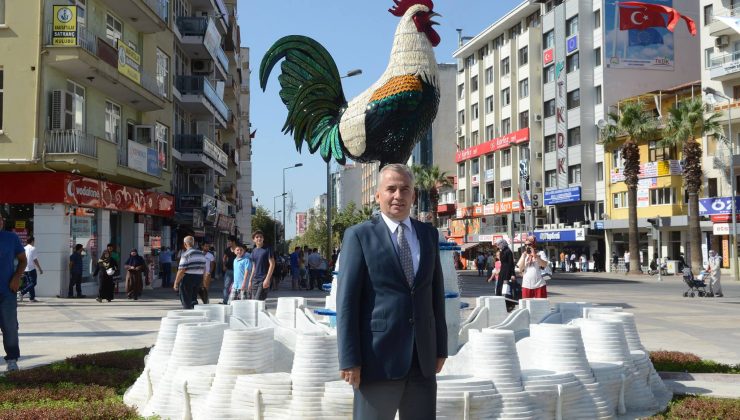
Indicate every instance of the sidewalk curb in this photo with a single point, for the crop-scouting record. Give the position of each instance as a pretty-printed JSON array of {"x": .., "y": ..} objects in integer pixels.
[{"x": 731, "y": 378}]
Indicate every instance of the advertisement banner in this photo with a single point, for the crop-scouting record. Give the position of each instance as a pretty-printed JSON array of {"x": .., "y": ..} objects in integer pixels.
[
  {"x": 561, "y": 92},
  {"x": 64, "y": 30},
  {"x": 83, "y": 192},
  {"x": 651, "y": 170},
  {"x": 649, "y": 46},
  {"x": 300, "y": 223},
  {"x": 718, "y": 205},
  {"x": 643, "y": 197},
  {"x": 566, "y": 195},
  {"x": 152, "y": 162},
  {"x": 517, "y": 137},
  {"x": 137, "y": 156},
  {"x": 129, "y": 62},
  {"x": 564, "y": 235}
]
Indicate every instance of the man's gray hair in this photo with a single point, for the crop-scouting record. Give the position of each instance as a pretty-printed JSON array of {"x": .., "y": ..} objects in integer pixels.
[
  {"x": 399, "y": 168},
  {"x": 189, "y": 241}
]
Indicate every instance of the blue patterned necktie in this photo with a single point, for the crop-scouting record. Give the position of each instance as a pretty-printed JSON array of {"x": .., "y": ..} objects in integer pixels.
[{"x": 404, "y": 253}]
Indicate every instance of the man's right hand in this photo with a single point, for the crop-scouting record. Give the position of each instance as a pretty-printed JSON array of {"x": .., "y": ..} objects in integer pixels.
[{"x": 351, "y": 376}]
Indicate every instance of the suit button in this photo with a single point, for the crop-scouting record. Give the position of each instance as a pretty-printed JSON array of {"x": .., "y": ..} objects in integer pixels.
[{"x": 411, "y": 321}]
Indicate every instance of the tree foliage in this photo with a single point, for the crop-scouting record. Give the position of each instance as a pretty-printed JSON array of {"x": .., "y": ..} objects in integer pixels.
[
  {"x": 430, "y": 179},
  {"x": 262, "y": 220},
  {"x": 316, "y": 232}
]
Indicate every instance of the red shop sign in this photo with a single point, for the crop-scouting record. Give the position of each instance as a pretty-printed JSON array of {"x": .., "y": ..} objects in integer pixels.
[
  {"x": 517, "y": 137},
  {"x": 82, "y": 192}
]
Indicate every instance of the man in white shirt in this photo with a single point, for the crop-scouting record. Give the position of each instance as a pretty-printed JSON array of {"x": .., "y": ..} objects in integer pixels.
[{"x": 30, "y": 274}]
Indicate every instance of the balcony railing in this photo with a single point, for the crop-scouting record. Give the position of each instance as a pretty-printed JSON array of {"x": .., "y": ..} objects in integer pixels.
[
  {"x": 222, "y": 58},
  {"x": 199, "y": 85},
  {"x": 721, "y": 60},
  {"x": 200, "y": 144},
  {"x": 192, "y": 26},
  {"x": 71, "y": 142},
  {"x": 160, "y": 7}
]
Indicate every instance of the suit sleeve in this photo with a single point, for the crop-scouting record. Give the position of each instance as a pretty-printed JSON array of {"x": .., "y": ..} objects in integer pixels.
[
  {"x": 352, "y": 275},
  {"x": 438, "y": 302}
]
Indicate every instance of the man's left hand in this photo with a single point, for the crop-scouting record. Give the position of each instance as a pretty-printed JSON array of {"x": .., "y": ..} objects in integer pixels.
[
  {"x": 440, "y": 363},
  {"x": 15, "y": 283},
  {"x": 266, "y": 284}
]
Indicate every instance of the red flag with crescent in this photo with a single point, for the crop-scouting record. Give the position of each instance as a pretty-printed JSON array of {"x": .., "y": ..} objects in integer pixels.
[{"x": 639, "y": 15}]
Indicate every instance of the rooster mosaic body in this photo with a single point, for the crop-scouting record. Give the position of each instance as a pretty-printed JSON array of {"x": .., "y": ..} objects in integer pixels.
[{"x": 383, "y": 123}]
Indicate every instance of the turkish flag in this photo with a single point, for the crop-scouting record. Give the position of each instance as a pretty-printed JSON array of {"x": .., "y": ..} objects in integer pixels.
[{"x": 640, "y": 18}]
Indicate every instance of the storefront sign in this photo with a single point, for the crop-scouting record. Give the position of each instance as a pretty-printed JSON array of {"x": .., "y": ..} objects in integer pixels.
[
  {"x": 489, "y": 175},
  {"x": 561, "y": 91},
  {"x": 567, "y": 195},
  {"x": 129, "y": 62},
  {"x": 225, "y": 223},
  {"x": 718, "y": 205},
  {"x": 506, "y": 207},
  {"x": 517, "y": 137},
  {"x": 64, "y": 31},
  {"x": 489, "y": 209},
  {"x": 137, "y": 156},
  {"x": 152, "y": 162},
  {"x": 651, "y": 170},
  {"x": 563, "y": 235},
  {"x": 721, "y": 229},
  {"x": 83, "y": 192}
]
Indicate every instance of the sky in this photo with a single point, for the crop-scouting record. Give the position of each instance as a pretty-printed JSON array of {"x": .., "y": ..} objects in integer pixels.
[{"x": 358, "y": 34}]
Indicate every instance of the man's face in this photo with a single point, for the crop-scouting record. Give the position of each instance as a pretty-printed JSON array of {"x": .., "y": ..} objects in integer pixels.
[
  {"x": 258, "y": 240},
  {"x": 395, "y": 195}
]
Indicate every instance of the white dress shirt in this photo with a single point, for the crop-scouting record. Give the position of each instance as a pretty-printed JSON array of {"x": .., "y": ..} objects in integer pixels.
[{"x": 411, "y": 238}]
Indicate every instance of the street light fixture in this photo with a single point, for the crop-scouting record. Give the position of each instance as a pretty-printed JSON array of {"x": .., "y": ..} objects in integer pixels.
[
  {"x": 297, "y": 165},
  {"x": 274, "y": 216},
  {"x": 712, "y": 95}
]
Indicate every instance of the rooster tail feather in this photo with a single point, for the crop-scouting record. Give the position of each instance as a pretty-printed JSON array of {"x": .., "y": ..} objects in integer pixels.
[{"x": 311, "y": 89}]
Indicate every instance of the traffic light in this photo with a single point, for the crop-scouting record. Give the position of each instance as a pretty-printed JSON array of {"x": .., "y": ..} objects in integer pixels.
[{"x": 654, "y": 222}]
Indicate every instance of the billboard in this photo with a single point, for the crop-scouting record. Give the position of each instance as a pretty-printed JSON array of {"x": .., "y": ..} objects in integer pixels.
[
  {"x": 650, "y": 47},
  {"x": 566, "y": 195},
  {"x": 301, "y": 222},
  {"x": 64, "y": 31}
]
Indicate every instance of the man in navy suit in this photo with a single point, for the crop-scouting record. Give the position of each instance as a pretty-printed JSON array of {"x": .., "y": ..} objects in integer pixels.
[{"x": 390, "y": 307}]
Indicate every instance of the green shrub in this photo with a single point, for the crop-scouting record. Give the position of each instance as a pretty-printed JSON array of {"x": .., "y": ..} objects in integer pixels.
[
  {"x": 124, "y": 360},
  {"x": 95, "y": 410},
  {"x": 676, "y": 361},
  {"x": 60, "y": 392},
  {"x": 700, "y": 408}
]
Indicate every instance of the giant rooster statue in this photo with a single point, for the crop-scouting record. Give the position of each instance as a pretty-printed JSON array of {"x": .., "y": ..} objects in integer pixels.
[{"x": 385, "y": 122}]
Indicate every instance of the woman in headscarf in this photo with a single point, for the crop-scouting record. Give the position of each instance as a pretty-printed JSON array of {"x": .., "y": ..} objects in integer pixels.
[
  {"x": 134, "y": 270},
  {"x": 105, "y": 269},
  {"x": 531, "y": 265},
  {"x": 506, "y": 272}
]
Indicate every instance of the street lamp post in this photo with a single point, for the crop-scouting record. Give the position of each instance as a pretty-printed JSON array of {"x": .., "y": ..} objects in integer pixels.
[
  {"x": 297, "y": 165},
  {"x": 712, "y": 93},
  {"x": 274, "y": 216}
]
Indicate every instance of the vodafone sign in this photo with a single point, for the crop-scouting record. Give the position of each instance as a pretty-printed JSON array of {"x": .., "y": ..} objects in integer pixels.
[{"x": 517, "y": 137}]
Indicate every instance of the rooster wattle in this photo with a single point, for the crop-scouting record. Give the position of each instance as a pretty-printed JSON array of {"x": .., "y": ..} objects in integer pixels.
[{"x": 383, "y": 123}]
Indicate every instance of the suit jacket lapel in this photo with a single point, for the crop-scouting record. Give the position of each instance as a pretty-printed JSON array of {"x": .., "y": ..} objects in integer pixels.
[{"x": 384, "y": 234}]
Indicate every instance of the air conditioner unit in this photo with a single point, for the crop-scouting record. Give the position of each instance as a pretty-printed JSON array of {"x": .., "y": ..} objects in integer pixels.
[
  {"x": 722, "y": 41},
  {"x": 56, "y": 111},
  {"x": 537, "y": 185},
  {"x": 561, "y": 225},
  {"x": 577, "y": 224},
  {"x": 202, "y": 66},
  {"x": 538, "y": 155},
  {"x": 538, "y": 117}
]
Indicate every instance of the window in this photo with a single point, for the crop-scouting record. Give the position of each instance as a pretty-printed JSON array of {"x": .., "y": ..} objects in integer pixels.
[
  {"x": 460, "y": 91},
  {"x": 474, "y": 84},
  {"x": 548, "y": 40},
  {"x": 574, "y": 136},
  {"x": 533, "y": 20},
  {"x": 551, "y": 178},
  {"x": 505, "y": 66},
  {"x": 2, "y": 95},
  {"x": 619, "y": 200},
  {"x": 498, "y": 41},
  {"x": 475, "y": 195},
  {"x": 505, "y": 126},
  {"x": 515, "y": 30},
  {"x": 489, "y": 161},
  {"x": 475, "y": 166},
  {"x": 571, "y": 63},
  {"x": 523, "y": 88},
  {"x": 599, "y": 99},
  {"x": 574, "y": 174},
  {"x": 489, "y": 75},
  {"x": 506, "y": 193},
  {"x": 490, "y": 134},
  {"x": 163, "y": 144},
  {"x": 74, "y": 111},
  {"x": 2, "y": 11},
  {"x": 461, "y": 196},
  {"x": 599, "y": 171},
  {"x": 549, "y": 73},
  {"x": 461, "y": 170},
  {"x": 597, "y": 57},
  {"x": 112, "y": 122},
  {"x": 461, "y": 142},
  {"x": 483, "y": 52},
  {"x": 523, "y": 55},
  {"x": 163, "y": 73},
  {"x": 659, "y": 196},
  {"x": 506, "y": 157},
  {"x": 571, "y": 26},
  {"x": 550, "y": 143},
  {"x": 113, "y": 29},
  {"x": 489, "y": 104},
  {"x": 505, "y": 97},
  {"x": 617, "y": 161},
  {"x": 708, "y": 57},
  {"x": 549, "y": 108},
  {"x": 597, "y": 19},
  {"x": 574, "y": 99},
  {"x": 711, "y": 187},
  {"x": 474, "y": 138},
  {"x": 523, "y": 119},
  {"x": 470, "y": 61},
  {"x": 461, "y": 117},
  {"x": 490, "y": 191},
  {"x": 656, "y": 153},
  {"x": 708, "y": 14},
  {"x": 474, "y": 112}
]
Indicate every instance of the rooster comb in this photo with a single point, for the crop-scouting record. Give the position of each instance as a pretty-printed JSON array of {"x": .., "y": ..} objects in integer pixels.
[{"x": 403, "y": 5}]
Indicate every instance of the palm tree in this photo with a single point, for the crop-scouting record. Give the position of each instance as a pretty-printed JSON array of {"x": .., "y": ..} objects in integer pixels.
[
  {"x": 430, "y": 179},
  {"x": 687, "y": 122},
  {"x": 633, "y": 123}
]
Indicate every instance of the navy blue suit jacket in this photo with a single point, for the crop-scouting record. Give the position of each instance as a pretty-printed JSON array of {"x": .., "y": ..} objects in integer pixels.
[{"x": 379, "y": 316}]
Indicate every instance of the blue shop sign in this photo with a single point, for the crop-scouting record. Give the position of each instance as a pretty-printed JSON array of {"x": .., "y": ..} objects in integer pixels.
[
  {"x": 152, "y": 162},
  {"x": 567, "y": 195},
  {"x": 563, "y": 235},
  {"x": 717, "y": 205},
  {"x": 572, "y": 43},
  {"x": 599, "y": 225}
]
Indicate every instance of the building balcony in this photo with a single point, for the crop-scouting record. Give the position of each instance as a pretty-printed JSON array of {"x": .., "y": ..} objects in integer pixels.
[
  {"x": 718, "y": 28},
  {"x": 199, "y": 97},
  {"x": 71, "y": 142},
  {"x": 92, "y": 61},
  {"x": 189, "y": 200},
  {"x": 201, "y": 41},
  {"x": 198, "y": 150},
  {"x": 725, "y": 66},
  {"x": 147, "y": 16},
  {"x": 215, "y": 8}
]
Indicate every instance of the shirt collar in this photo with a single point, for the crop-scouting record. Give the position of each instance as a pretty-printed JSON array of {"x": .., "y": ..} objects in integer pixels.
[{"x": 393, "y": 225}]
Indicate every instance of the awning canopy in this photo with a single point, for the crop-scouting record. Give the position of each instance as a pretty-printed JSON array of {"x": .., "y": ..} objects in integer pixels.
[{"x": 466, "y": 246}]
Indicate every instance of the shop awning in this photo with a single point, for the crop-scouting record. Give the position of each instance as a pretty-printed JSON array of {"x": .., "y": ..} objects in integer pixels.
[{"x": 467, "y": 246}]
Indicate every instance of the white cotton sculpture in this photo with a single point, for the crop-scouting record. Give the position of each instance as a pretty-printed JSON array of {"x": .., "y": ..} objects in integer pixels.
[{"x": 452, "y": 293}]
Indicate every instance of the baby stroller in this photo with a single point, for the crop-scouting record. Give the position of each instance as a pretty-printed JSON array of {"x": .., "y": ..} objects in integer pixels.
[{"x": 696, "y": 286}]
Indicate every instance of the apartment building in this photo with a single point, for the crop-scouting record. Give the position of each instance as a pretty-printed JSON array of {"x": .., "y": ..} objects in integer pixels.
[
  {"x": 499, "y": 119},
  {"x": 95, "y": 106}
]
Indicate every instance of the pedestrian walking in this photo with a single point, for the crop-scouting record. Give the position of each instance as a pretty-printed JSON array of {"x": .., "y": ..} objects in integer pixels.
[
  {"x": 263, "y": 266},
  {"x": 106, "y": 269},
  {"x": 190, "y": 273},
  {"x": 530, "y": 265},
  {"x": 228, "y": 267},
  {"x": 11, "y": 252},
  {"x": 714, "y": 267},
  {"x": 165, "y": 266},
  {"x": 135, "y": 267},
  {"x": 30, "y": 274},
  {"x": 295, "y": 269},
  {"x": 314, "y": 261},
  {"x": 75, "y": 272},
  {"x": 242, "y": 271}
]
